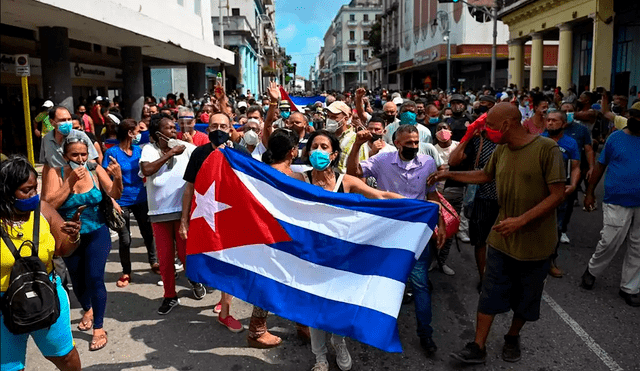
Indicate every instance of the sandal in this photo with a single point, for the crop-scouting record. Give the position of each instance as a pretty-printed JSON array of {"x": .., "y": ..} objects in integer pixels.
[
  {"x": 123, "y": 281},
  {"x": 96, "y": 342},
  {"x": 85, "y": 325}
]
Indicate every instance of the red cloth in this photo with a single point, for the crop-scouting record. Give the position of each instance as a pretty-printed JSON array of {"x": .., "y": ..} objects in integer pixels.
[
  {"x": 199, "y": 138},
  {"x": 476, "y": 127}
]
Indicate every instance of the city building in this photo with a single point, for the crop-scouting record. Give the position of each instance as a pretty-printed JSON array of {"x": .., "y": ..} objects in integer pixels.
[
  {"x": 596, "y": 39},
  {"x": 249, "y": 31},
  {"x": 346, "y": 51}
]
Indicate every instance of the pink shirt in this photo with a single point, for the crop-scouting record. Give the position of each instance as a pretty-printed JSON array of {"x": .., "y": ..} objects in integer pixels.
[{"x": 532, "y": 128}]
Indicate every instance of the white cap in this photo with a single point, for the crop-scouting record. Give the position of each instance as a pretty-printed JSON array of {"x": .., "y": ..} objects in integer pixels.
[
  {"x": 242, "y": 104},
  {"x": 47, "y": 104},
  {"x": 397, "y": 100}
]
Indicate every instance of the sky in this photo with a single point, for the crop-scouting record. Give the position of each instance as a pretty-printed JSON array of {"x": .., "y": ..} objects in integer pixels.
[{"x": 301, "y": 25}]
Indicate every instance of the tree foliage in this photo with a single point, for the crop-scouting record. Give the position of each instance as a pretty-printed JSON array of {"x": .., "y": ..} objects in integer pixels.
[{"x": 375, "y": 38}]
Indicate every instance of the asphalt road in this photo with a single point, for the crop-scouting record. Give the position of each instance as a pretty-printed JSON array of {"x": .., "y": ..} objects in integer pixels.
[{"x": 578, "y": 329}]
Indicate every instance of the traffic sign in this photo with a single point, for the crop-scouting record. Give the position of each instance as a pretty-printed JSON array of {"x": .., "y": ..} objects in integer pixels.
[
  {"x": 462, "y": 80},
  {"x": 22, "y": 65}
]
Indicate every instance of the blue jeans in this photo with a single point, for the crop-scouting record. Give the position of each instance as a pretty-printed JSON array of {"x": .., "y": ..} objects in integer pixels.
[{"x": 419, "y": 278}]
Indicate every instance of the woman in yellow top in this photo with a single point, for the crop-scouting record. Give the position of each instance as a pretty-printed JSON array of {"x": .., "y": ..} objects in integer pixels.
[{"x": 18, "y": 202}]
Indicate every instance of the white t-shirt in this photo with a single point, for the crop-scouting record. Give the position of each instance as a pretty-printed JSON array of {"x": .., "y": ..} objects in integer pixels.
[
  {"x": 365, "y": 149},
  {"x": 446, "y": 152},
  {"x": 166, "y": 187}
]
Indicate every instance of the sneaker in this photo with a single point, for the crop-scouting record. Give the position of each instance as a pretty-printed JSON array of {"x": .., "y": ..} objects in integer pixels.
[
  {"x": 511, "y": 349},
  {"x": 177, "y": 265},
  {"x": 588, "y": 280},
  {"x": 471, "y": 354},
  {"x": 447, "y": 270},
  {"x": 463, "y": 237},
  {"x": 231, "y": 323},
  {"x": 429, "y": 346},
  {"x": 630, "y": 299},
  {"x": 433, "y": 265},
  {"x": 168, "y": 304},
  {"x": 343, "y": 358},
  {"x": 321, "y": 366},
  {"x": 198, "y": 290},
  {"x": 564, "y": 238},
  {"x": 217, "y": 308}
]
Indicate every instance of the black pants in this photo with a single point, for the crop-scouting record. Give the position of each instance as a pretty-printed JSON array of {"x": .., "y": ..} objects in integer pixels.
[{"x": 140, "y": 212}]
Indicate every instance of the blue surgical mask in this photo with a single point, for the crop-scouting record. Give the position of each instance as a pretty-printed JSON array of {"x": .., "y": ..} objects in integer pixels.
[
  {"x": 319, "y": 159},
  {"x": 74, "y": 165},
  {"x": 434, "y": 120},
  {"x": 65, "y": 128},
  {"x": 27, "y": 204},
  {"x": 408, "y": 118},
  {"x": 569, "y": 117},
  {"x": 285, "y": 114},
  {"x": 137, "y": 138}
]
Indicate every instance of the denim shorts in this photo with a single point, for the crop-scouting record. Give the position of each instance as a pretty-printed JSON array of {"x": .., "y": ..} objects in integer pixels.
[
  {"x": 55, "y": 341},
  {"x": 511, "y": 284}
]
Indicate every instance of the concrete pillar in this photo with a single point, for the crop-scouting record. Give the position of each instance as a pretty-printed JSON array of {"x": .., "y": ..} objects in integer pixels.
[
  {"x": 602, "y": 52},
  {"x": 196, "y": 80},
  {"x": 132, "y": 82},
  {"x": 56, "y": 73},
  {"x": 516, "y": 62},
  {"x": 537, "y": 61},
  {"x": 565, "y": 49}
]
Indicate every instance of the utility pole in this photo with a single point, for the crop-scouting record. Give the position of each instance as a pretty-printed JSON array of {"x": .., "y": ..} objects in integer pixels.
[
  {"x": 448, "y": 37},
  {"x": 494, "y": 57},
  {"x": 221, "y": 25}
]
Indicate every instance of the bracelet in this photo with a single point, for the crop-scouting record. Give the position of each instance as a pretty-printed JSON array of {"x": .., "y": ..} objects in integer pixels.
[
  {"x": 273, "y": 103},
  {"x": 76, "y": 240}
]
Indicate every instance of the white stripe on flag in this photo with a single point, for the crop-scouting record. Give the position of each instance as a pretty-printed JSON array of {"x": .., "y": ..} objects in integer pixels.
[
  {"x": 374, "y": 292},
  {"x": 349, "y": 225}
]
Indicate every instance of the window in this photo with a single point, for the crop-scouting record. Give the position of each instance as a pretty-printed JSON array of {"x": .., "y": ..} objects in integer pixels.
[
  {"x": 586, "y": 46},
  {"x": 235, "y": 12},
  {"x": 352, "y": 17},
  {"x": 352, "y": 55},
  {"x": 181, "y": 2},
  {"x": 365, "y": 17},
  {"x": 352, "y": 35},
  {"x": 196, "y": 6},
  {"x": 364, "y": 76},
  {"x": 113, "y": 51},
  {"x": 622, "y": 50},
  {"x": 97, "y": 48},
  {"x": 365, "y": 35},
  {"x": 365, "y": 55}
]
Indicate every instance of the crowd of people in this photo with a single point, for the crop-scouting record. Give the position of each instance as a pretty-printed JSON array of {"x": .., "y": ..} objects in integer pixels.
[{"x": 509, "y": 164}]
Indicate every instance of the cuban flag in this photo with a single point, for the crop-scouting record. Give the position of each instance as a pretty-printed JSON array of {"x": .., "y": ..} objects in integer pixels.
[{"x": 333, "y": 261}]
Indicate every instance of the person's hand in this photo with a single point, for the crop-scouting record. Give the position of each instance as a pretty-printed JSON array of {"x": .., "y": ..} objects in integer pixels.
[
  {"x": 177, "y": 150},
  {"x": 508, "y": 226},
  {"x": 442, "y": 236},
  {"x": 184, "y": 229},
  {"x": 376, "y": 147},
  {"x": 218, "y": 91},
  {"x": 72, "y": 228},
  {"x": 363, "y": 136},
  {"x": 605, "y": 99},
  {"x": 437, "y": 177},
  {"x": 187, "y": 137},
  {"x": 274, "y": 92},
  {"x": 589, "y": 202},
  {"x": 114, "y": 168},
  {"x": 360, "y": 92},
  {"x": 37, "y": 132},
  {"x": 475, "y": 128},
  {"x": 568, "y": 189},
  {"x": 77, "y": 175},
  {"x": 589, "y": 174}
]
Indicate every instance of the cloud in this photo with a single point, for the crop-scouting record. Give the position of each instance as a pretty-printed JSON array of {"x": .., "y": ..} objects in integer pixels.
[
  {"x": 287, "y": 34},
  {"x": 313, "y": 45}
]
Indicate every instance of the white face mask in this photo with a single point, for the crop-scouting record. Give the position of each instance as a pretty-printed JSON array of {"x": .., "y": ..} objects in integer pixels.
[
  {"x": 251, "y": 138},
  {"x": 173, "y": 143},
  {"x": 332, "y": 125}
]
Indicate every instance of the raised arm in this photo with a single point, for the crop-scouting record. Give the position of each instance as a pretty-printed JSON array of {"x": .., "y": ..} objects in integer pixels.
[
  {"x": 353, "y": 164},
  {"x": 150, "y": 168},
  {"x": 474, "y": 176},
  {"x": 274, "y": 98},
  {"x": 360, "y": 106},
  {"x": 458, "y": 154},
  {"x": 112, "y": 187}
]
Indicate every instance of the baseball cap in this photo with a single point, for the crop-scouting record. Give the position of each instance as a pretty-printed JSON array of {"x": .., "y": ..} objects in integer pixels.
[
  {"x": 339, "y": 107},
  {"x": 457, "y": 97},
  {"x": 397, "y": 100},
  {"x": 242, "y": 104},
  {"x": 635, "y": 110},
  {"x": 486, "y": 98},
  {"x": 284, "y": 104},
  {"x": 47, "y": 104}
]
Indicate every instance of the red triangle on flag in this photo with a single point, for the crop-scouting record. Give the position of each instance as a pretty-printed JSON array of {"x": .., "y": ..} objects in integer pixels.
[{"x": 225, "y": 213}]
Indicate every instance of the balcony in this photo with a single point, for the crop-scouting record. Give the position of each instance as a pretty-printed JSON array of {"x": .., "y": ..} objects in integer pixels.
[
  {"x": 364, "y": 42},
  {"x": 338, "y": 25},
  {"x": 366, "y": 23},
  {"x": 352, "y": 23},
  {"x": 353, "y": 42}
]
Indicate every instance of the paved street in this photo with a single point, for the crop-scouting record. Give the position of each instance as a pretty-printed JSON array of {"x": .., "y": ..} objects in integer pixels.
[{"x": 579, "y": 330}]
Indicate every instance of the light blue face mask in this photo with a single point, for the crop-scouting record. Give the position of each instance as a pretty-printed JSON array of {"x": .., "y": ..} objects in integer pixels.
[
  {"x": 74, "y": 165},
  {"x": 408, "y": 118},
  {"x": 570, "y": 117},
  {"x": 319, "y": 159},
  {"x": 434, "y": 120},
  {"x": 65, "y": 128},
  {"x": 137, "y": 138},
  {"x": 285, "y": 114}
]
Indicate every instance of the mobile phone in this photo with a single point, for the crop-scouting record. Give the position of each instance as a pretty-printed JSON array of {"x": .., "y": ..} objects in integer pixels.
[{"x": 79, "y": 211}]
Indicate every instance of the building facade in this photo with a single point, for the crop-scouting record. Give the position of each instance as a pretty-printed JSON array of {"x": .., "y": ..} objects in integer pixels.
[
  {"x": 346, "y": 51},
  {"x": 248, "y": 30},
  {"x": 596, "y": 39}
]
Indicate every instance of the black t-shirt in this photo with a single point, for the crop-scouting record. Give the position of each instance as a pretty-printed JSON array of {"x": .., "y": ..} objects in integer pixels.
[
  {"x": 92, "y": 137},
  {"x": 199, "y": 155},
  {"x": 459, "y": 125}
]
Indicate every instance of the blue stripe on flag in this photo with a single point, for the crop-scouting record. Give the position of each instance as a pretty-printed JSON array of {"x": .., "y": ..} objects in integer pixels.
[
  {"x": 336, "y": 253},
  {"x": 363, "y": 324},
  {"x": 400, "y": 209}
]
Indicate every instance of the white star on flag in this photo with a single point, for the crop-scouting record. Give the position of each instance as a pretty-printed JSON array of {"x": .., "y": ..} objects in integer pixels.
[{"x": 207, "y": 206}]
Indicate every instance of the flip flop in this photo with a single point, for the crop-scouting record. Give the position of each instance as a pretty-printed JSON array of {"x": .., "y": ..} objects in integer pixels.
[
  {"x": 123, "y": 281},
  {"x": 96, "y": 339},
  {"x": 85, "y": 326}
]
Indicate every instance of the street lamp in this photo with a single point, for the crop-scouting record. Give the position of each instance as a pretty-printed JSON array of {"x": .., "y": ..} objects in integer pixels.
[{"x": 447, "y": 38}]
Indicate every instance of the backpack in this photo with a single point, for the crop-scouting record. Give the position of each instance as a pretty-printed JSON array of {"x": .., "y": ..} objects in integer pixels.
[{"x": 31, "y": 301}]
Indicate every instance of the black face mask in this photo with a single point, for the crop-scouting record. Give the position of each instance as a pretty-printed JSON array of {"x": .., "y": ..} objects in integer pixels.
[
  {"x": 375, "y": 137},
  {"x": 218, "y": 137},
  {"x": 633, "y": 125},
  {"x": 389, "y": 118},
  {"x": 482, "y": 109},
  {"x": 409, "y": 153},
  {"x": 617, "y": 109},
  {"x": 555, "y": 132}
]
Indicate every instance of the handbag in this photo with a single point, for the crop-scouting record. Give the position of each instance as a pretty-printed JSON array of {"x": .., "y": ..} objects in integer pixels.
[
  {"x": 451, "y": 218},
  {"x": 113, "y": 218},
  {"x": 472, "y": 189}
]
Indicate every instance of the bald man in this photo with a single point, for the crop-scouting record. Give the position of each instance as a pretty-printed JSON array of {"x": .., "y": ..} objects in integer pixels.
[{"x": 529, "y": 174}]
